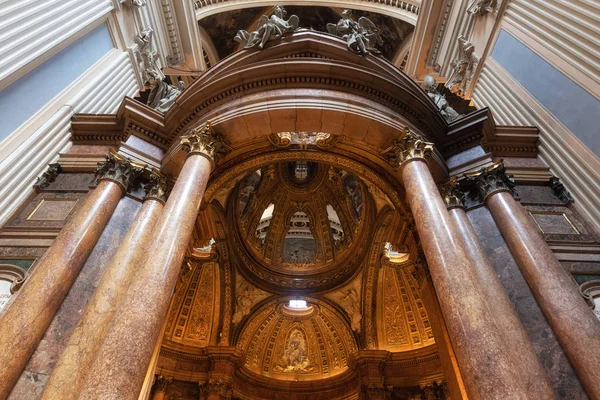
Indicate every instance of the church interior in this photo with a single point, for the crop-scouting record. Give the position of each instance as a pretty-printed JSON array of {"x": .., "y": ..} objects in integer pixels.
[{"x": 299, "y": 199}]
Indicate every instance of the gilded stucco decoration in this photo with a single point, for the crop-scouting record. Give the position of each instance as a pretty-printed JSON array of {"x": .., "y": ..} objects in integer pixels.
[
  {"x": 195, "y": 306},
  {"x": 246, "y": 297},
  {"x": 408, "y": 146},
  {"x": 204, "y": 140},
  {"x": 296, "y": 344}
]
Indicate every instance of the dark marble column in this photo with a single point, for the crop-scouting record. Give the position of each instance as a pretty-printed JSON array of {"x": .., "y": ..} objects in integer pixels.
[
  {"x": 573, "y": 322},
  {"x": 25, "y": 321},
  {"x": 486, "y": 369},
  {"x": 122, "y": 360},
  {"x": 68, "y": 375},
  {"x": 524, "y": 358}
]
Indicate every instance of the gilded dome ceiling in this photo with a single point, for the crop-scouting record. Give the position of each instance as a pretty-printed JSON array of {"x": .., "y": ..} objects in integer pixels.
[
  {"x": 300, "y": 225},
  {"x": 296, "y": 344}
]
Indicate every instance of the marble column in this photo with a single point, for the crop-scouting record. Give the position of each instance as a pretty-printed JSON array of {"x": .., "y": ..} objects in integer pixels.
[
  {"x": 68, "y": 375},
  {"x": 121, "y": 362},
  {"x": 161, "y": 384},
  {"x": 486, "y": 369},
  {"x": 24, "y": 322},
  {"x": 573, "y": 322},
  {"x": 524, "y": 358}
]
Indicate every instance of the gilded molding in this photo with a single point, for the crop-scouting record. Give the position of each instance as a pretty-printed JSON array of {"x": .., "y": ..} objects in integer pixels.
[
  {"x": 452, "y": 195},
  {"x": 157, "y": 188},
  {"x": 118, "y": 169},
  {"x": 204, "y": 140},
  {"x": 409, "y": 146},
  {"x": 491, "y": 180},
  {"x": 48, "y": 176},
  {"x": 560, "y": 190}
]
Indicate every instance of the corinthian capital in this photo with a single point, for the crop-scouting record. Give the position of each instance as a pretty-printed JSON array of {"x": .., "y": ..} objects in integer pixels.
[
  {"x": 204, "y": 140},
  {"x": 118, "y": 169},
  {"x": 408, "y": 147},
  {"x": 161, "y": 383},
  {"x": 492, "y": 180},
  {"x": 452, "y": 195},
  {"x": 157, "y": 188}
]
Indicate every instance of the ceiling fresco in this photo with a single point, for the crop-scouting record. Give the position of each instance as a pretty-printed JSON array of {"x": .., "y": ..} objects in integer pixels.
[{"x": 223, "y": 27}]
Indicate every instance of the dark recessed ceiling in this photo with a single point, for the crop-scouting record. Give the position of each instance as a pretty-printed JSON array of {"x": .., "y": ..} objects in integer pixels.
[{"x": 223, "y": 27}]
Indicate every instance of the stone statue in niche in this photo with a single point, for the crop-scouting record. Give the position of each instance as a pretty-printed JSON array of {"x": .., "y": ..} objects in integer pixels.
[
  {"x": 351, "y": 304},
  {"x": 439, "y": 99},
  {"x": 482, "y": 7},
  {"x": 146, "y": 57},
  {"x": 295, "y": 354},
  {"x": 162, "y": 96},
  {"x": 463, "y": 68},
  {"x": 268, "y": 29},
  {"x": 361, "y": 37}
]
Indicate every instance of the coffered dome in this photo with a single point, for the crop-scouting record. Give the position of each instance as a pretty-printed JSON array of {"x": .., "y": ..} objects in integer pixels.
[
  {"x": 287, "y": 343},
  {"x": 300, "y": 225}
]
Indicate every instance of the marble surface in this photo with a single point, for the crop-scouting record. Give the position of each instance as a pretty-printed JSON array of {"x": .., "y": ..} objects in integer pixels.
[
  {"x": 573, "y": 322},
  {"x": 26, "y": 320},
  {"x": 118, "y": 374},
  {"x": 43, "y": 360},
  {"x": 475, "y": 334},
  {"x": 544, "y": 341}
]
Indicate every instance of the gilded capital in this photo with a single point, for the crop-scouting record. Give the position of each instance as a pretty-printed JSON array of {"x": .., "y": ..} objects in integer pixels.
[
  {"x": 407, "y": 147},
  {"x": 452, "y": 195},
  {"x": 118, "y": 169},
  {"x": 161, "y": 383},
  {"x": 48, "y": 176},
  {"x": 215, "y": 386},
  {"x": 157, "y": 188},
  {"x": 204, "y": 140},
  {"x": 489, "y": 181}
]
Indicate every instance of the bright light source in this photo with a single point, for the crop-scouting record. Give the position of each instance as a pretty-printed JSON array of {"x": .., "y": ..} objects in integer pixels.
[{"x": 297, "y": 304}]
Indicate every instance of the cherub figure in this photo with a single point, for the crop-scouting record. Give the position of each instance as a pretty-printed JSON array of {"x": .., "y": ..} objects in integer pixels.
[
  {"x": 361, "y": 37},
  {"x": 268, "y": 29}
]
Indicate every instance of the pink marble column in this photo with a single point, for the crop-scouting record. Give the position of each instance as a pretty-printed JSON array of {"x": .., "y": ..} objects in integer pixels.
[
  {"x": 487, "y": 371},
  {"x": 121, "y": 362},
  {"x": 573, "y": 322},
  {"x": 68, "y": 375},
  {"x": 524, "y": 358},
  {"x": 27, "y": 318}
]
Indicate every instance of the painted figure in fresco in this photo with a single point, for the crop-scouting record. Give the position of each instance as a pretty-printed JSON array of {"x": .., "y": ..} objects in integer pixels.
[
  {"x": 361, "y": 37},
  {"x": 268, "y": 29}
]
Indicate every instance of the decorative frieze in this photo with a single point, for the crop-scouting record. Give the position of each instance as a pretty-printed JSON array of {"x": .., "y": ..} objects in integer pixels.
[
  {"x": 204, "y": 140},
  {"x": 118, "y": 169},
  {"x": 303, "y": 139},
  {"x": 560, "y": 190},
  {"x": 408, "y": 147},
  {"x": 48, "y": 176},
  {"x": 452, "y": 195},
  {"x": 491, "y": 180}
]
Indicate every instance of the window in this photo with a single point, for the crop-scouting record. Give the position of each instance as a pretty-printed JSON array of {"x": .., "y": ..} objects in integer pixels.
[{"x": 297, "y": 304}]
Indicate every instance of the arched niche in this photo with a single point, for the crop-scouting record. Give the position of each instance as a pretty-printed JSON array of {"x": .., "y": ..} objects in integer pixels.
[{"x": 12, "y": 278}]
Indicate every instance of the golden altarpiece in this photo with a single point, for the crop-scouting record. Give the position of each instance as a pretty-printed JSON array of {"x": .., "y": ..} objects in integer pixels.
[{"x": 302, "y": 223}]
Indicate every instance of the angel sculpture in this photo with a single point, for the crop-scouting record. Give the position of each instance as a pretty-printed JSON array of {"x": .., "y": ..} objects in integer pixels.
[
  {"x": 146, "y": 56},
  {"x": 268, "y": 29},
  {"x": 361, "y": 37}
]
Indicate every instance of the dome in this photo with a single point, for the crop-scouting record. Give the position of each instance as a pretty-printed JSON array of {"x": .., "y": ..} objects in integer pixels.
[{"x": 295, "y": 223}]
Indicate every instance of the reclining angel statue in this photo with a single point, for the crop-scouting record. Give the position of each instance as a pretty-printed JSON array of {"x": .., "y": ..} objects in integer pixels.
[
  {"x": 361, "y": 37},
  {"x": 268, "y": 29}
]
